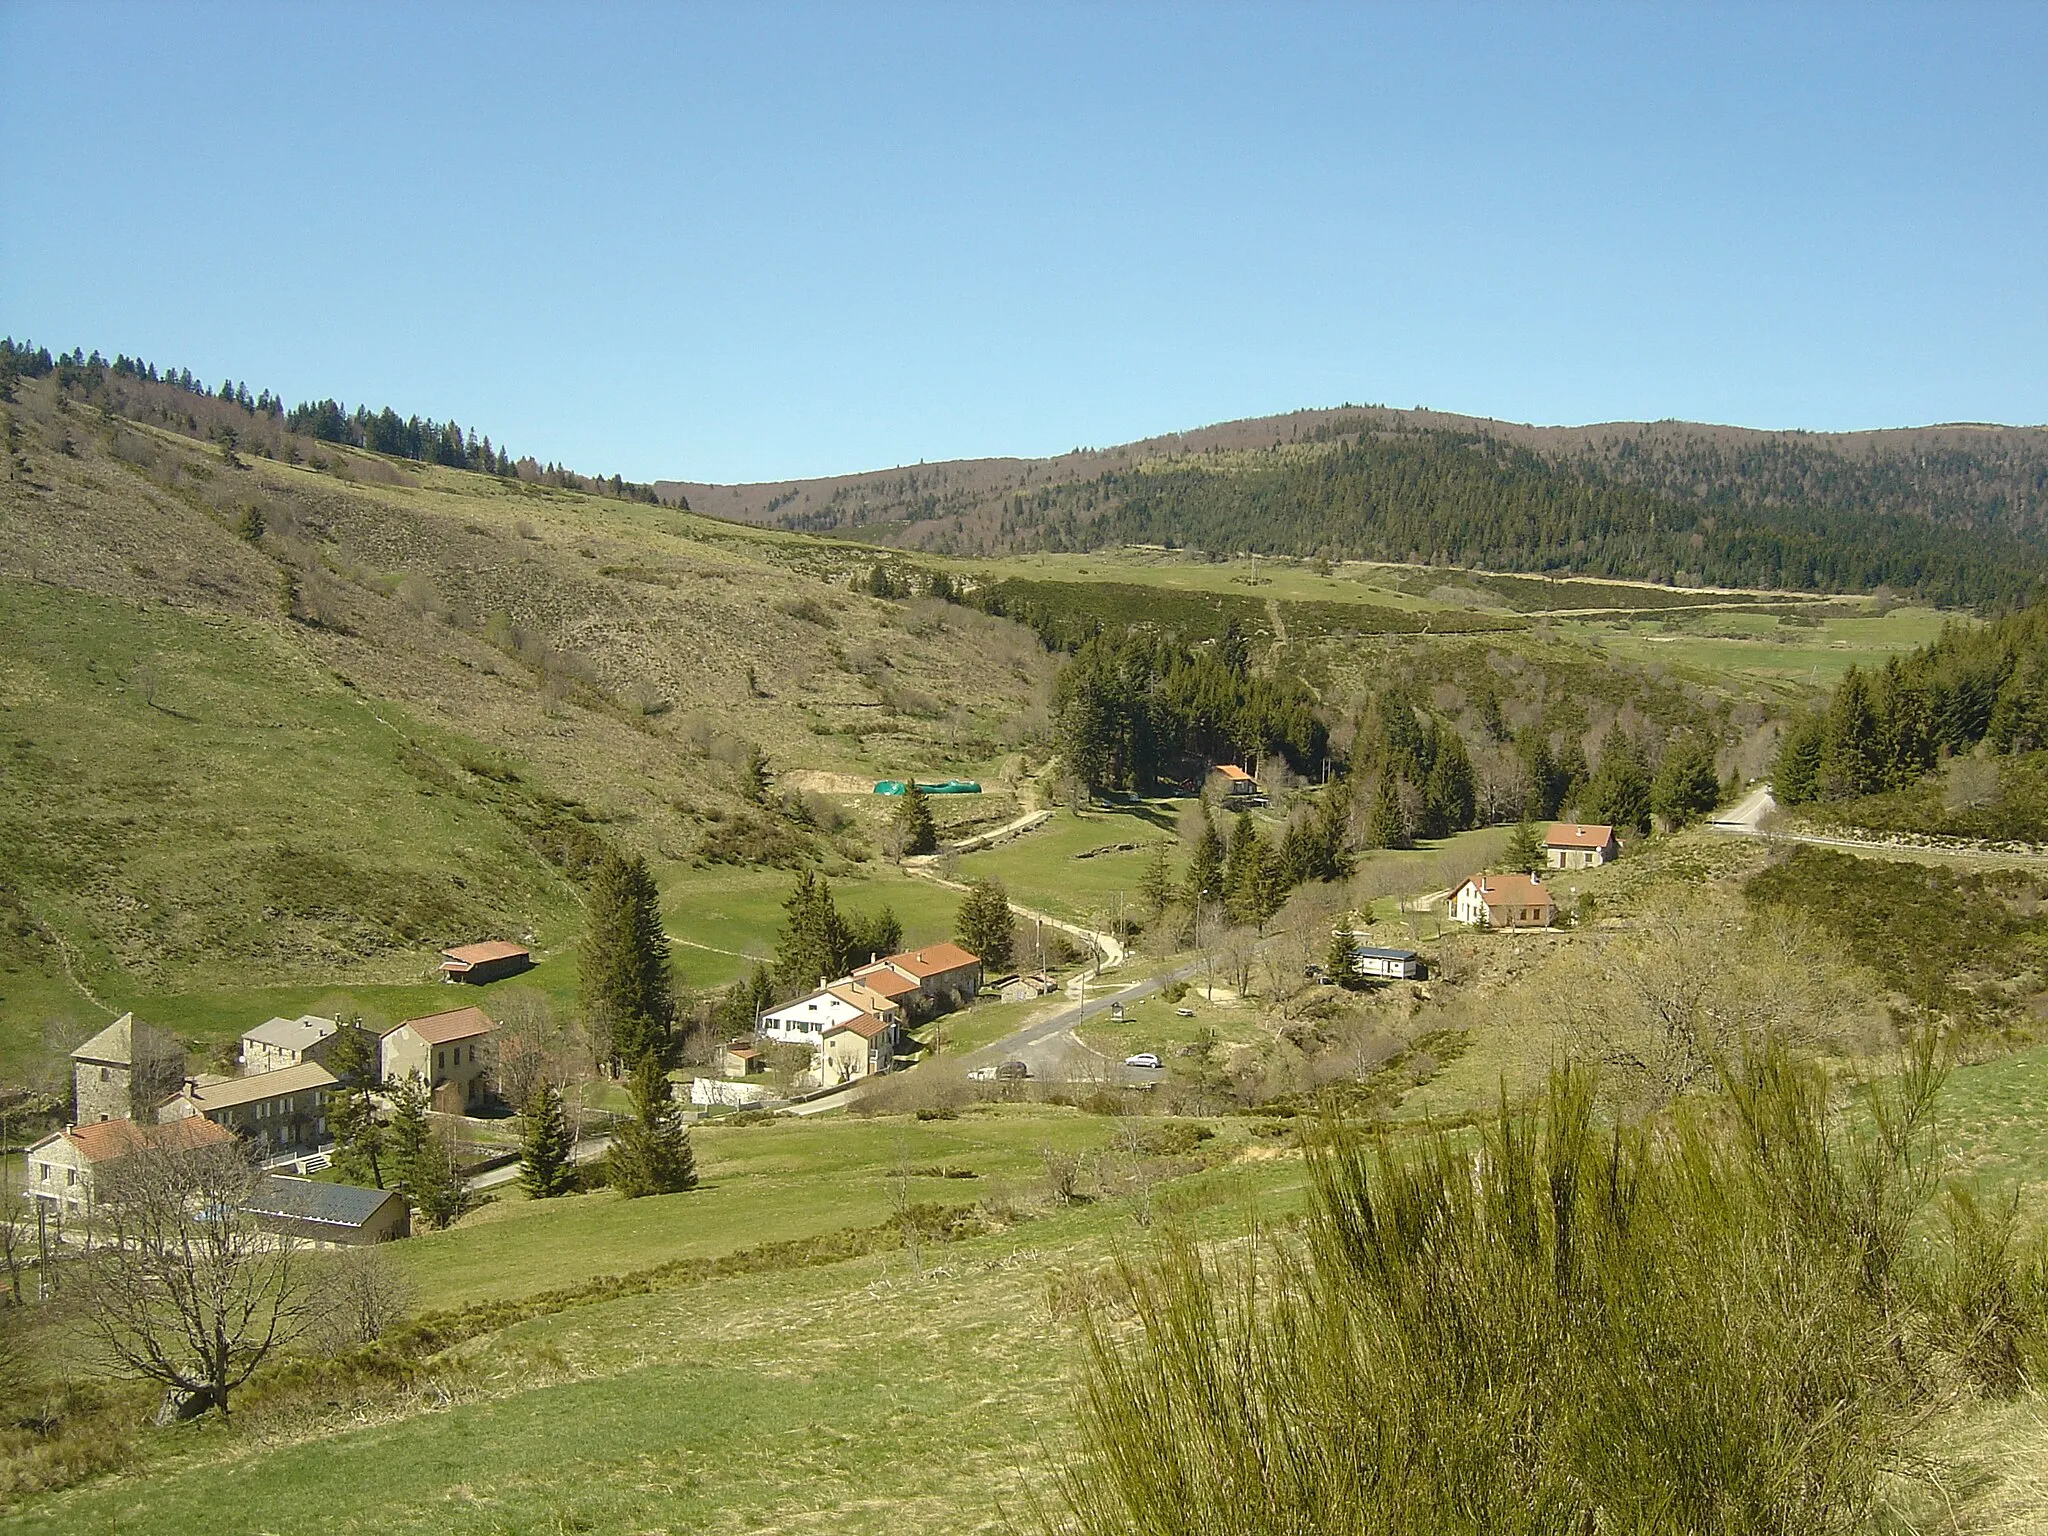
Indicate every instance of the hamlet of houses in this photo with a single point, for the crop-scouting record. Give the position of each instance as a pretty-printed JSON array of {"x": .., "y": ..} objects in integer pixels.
[{"x": 131, "y": 1089}]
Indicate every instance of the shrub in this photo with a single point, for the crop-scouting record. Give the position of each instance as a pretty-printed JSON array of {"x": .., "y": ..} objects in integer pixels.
[{"x": 1717, "y": 1322}]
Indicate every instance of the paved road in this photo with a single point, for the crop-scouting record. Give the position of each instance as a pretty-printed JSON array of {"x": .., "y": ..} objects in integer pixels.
[
  {"x": 1747, "y": 816},
  {"x": 583, "y": 1152}
]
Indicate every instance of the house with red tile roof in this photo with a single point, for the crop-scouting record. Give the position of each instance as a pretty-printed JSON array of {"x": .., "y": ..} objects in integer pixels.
[
  {"x": 1503, "y": 901},
  {"x": 451, "y": 1052},
  {"x": 62, "y": 1166},
  {"x": 857, "y": 1047},
  {"x": 944, "y": 976},
  {"x": 1568, "y": 845}
]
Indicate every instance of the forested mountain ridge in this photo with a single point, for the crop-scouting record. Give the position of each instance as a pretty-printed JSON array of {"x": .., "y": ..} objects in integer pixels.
[{"x": 1952, "y": 513}]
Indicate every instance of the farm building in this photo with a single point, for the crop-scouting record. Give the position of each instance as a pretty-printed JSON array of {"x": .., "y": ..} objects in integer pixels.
[
  {"x": 62, "y": 1167},
  {"x": 279, "y": 1111},
  {"x": 1569, "y": 846},
  {"x": 1386, "y": 964},
  {"x": 328, "y": 1215},
  {"x": 738, "y": 1060},
  {"x": 452, "y": 1053},
  {"x": 484, "y": 962},
  {"x": 1503, "y": 901}
]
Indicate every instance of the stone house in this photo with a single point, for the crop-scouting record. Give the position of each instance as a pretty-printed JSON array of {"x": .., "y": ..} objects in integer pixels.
[
  {"x": 125, "y": 1071},
  {"x": 62, "y": 1166},
  {"x": 452, "y": 1053},
  {"x": 281, "y": 1111},
  {"x": 944, "y": 976},
  {"x": 278, "y": 1043}
]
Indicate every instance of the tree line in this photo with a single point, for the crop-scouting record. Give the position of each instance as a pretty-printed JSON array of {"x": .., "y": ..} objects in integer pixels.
[
  {"x": 1132, "y": 708},
  {"x": 1457, "y": 497},
  {"x": 1888, "y": 728},
  {"x": 421, "y": 439}
]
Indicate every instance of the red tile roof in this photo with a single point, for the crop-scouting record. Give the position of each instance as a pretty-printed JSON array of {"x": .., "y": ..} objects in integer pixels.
[
  {"x": 866, "y": 1025},
  {"x": 881, "y": 977},
  {"x": 1232, "y": 771},
  {"x": 1564, "y": 834},
  {"x": 933, "y": 960},
  {"x": 111, "y": 1139},
  {"x": 487, "y": 951},
  {"x": 1512, "y": 891},
  {"x": 455, "y": 1024}
]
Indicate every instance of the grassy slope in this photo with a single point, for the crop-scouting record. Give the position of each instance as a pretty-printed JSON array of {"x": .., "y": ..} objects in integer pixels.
[
  {"x": 225, "y": 813},
  {"x": 865, "y": 1396}
]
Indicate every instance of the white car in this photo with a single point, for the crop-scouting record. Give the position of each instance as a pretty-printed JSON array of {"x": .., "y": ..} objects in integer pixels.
[{"x": 1143, "y": 1059}]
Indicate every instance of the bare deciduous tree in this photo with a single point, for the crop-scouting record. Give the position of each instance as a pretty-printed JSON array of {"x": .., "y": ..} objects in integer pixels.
[
  {"x": 363, "y": 1295},
  {"x": 183, "y": 1285}
]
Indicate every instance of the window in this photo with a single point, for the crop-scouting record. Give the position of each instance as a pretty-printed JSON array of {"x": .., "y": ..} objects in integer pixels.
[
  {"x": 472, "y": 1055},
  {"x": 105, "y": 1075},
  {"x": 440, "y": 1060},
  {"x": 70, "y": 1175}
]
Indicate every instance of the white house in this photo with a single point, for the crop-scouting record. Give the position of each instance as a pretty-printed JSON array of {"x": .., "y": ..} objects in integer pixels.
[{"x": 1503, "y": 901}]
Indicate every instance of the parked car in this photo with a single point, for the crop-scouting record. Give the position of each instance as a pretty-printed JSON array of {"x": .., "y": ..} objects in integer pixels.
[
  {"x": 1185, "y": 1013},
  {"x": 1143, "y": 1059},
  {"x": 1012, "y": 1071},
  {"x": 981, "y": 1074}
]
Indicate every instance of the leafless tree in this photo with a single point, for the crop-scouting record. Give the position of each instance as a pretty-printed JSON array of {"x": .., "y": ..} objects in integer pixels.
[
  {"x": 363, "y": 1294},
  {"x": 182, "y": 1285},
  {"x": 532, "y": 1044}
]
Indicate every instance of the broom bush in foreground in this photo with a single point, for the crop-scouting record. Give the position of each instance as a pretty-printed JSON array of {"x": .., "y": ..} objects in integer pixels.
[{"x": 1733, "y": 1320}]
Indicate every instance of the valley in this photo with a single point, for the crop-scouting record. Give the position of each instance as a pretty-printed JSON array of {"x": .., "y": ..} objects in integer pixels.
[{"x": 282, "y": 719}]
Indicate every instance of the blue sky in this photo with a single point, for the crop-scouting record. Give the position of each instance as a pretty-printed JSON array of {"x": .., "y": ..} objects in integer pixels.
[{"x": 748, "y": 242}]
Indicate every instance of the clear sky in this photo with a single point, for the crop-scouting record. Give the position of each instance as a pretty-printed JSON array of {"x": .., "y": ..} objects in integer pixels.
[{"x": 748, "y": 242}]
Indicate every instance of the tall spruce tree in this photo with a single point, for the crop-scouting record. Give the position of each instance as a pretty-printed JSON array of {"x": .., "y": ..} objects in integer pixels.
[
  {"x": 1685, "y": 787},
  {"x": 358, "y": 1136},
  {"x": 914, "y": 824},
  {"x": 545, "y": 1167},
  {"x": 984, "y": 927},
  {"x": 651, "y": 1153},
  {"x": 815, "y": 942},
  {"x": 1525, "y": 852},
  {"x": 1205, "y": 865},
  {"x": 627, "y": 977}
]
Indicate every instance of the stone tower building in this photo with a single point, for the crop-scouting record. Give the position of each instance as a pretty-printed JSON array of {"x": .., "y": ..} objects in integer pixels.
[{"x": 125, "y": 1071}]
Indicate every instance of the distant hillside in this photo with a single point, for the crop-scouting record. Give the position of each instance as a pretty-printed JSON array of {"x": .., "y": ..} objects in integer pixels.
[
  {"x": 1954, "y": 514},
  {"x": 303, "y": 719}
]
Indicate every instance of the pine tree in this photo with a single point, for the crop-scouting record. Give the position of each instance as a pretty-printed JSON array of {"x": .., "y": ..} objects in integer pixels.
[
  {"x": 409, "y": 1134},
  {"x": 984, "y": 926},
  {"x": 651, "y": 1154},
  {"x": 1388, "y": 827},
  {"x": 358, "y": 1137},
  {"x": 869, "y": 938},
  {"x": 1795, "y": 776},
  {"x": 1525, "y": 852},
  {"x": 1620, "y": 792},
  {"x": 914, "y": 819},
  {"x": 1448, "y": 796},
  {"x": 1342, "y": 960},
  {"x": 545, "y": 1168},
  {"x": 1156, "y": 887},
  {"x": 438, "y": 1192},
  {"x": 1685, "y": 787},
  {"x": 627, "y": 978},
  {"x": 1205, "y": 866},
  {"x": 815, "y": 941}
]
